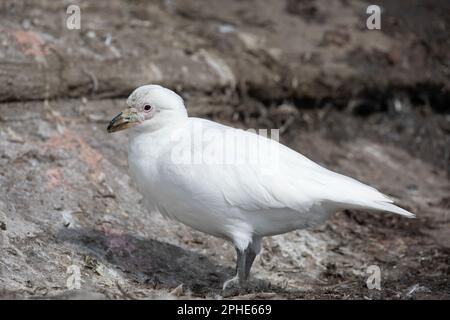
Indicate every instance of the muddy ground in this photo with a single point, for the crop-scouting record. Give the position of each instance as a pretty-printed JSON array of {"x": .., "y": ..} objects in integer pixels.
[{"x": 371, "y": 104}]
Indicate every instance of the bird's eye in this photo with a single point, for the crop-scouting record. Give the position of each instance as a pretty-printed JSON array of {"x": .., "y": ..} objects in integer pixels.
[{"x": 147, "y": 107}]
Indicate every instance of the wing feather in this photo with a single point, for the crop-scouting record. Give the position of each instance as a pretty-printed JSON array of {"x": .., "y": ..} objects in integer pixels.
[{"x": 286, "y": 180}]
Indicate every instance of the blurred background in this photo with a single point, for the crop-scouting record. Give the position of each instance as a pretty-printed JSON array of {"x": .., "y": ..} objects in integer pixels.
[{"x": 372, "y": 104}]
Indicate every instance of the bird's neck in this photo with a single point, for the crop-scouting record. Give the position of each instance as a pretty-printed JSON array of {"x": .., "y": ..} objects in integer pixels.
[
  {"x": 159, "y": 131},
  {"x": 160, "y": 123}
]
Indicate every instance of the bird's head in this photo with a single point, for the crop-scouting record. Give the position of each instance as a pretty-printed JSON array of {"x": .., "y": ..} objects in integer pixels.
[{"x": 150, "y": 106}]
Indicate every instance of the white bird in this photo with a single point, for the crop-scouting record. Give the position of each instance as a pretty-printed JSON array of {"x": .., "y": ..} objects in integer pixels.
[{"x": 181, "y": 166}]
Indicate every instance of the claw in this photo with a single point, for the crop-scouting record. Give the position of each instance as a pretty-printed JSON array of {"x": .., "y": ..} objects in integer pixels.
[
  {"x": 230, "y": 283},
  {"x": 235, "y": 283}
]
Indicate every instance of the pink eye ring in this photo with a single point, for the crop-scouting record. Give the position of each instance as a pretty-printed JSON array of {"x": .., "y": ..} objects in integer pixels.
[{"x": 147, "y": 107}]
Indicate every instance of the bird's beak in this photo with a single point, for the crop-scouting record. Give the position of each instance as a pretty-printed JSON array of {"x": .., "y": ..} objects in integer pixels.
[{"x": 126, "y": 119}]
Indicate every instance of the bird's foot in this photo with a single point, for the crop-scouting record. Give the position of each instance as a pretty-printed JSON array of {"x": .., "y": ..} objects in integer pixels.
[
  {"x": 231, "y": 283},
  {"x": 235, "y": 283}
]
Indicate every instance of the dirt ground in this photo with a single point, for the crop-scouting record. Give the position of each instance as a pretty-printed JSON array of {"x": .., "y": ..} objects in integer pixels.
[{"x": 372, "y": 104}]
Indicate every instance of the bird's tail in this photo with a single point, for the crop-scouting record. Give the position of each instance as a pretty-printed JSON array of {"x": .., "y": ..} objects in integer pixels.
[
  {"x": 348, "y": 193},
  {"x": 361, "y": 196},
  {"x": 390, "y": 207}
]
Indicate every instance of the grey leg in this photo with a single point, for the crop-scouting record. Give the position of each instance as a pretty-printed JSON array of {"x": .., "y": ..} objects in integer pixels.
[
  {"x": 240, "y": 271},
  {"x": 250, "y": 254},
  {"x": 241, "y": 264},
  {"x": 244, "y": 263}
]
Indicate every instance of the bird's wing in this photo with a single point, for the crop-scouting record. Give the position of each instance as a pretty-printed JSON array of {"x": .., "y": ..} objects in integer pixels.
[{"x": 276, "y": 176}]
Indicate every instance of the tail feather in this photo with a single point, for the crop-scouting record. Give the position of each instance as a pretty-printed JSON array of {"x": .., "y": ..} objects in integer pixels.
[
  {"x": 362, "y": 196},
  {"x": 349, "y": 193},
  {"x": 390, "y": 207},
  {"x": 378, "y": 205}
]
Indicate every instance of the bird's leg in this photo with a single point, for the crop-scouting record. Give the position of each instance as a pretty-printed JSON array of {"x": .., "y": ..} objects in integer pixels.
[
  {"x": 241, "y": 266},
  {"x": 244, "y": 262},
  {"x": 250, "y": 256},
  {"x": 240, "y": 271}
]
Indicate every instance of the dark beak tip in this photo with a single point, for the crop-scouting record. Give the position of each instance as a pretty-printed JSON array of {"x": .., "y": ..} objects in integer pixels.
[{"x": 110, "y": 127}]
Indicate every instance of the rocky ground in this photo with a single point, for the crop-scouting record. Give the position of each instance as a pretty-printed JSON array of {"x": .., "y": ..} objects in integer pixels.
[{"x": 371, "y": 104}]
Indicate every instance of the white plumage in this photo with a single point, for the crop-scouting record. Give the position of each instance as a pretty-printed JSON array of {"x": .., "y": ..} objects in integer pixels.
[{"x": 238, "y": 201}]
